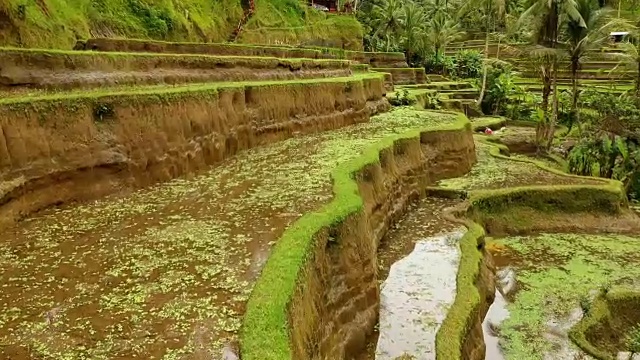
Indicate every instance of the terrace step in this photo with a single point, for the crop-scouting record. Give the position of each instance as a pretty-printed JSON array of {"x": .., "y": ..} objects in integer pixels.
[
  {"x": 375, "y": 59},
  {"x": 43, "y": 69},
  {"x": 405, "y": 76}
]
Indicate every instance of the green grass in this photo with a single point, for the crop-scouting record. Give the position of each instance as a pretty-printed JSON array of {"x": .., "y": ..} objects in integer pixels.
[
  {"x": 265, "y": 335},
  {"x": 601, "y": 314},
  {"x": 292, "y": 22},
  {"x": 59, "y": 23}
]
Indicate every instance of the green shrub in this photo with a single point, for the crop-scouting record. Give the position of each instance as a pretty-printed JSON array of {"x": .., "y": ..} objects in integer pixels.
[
  {"x": 440, "y": 64},
  {"x": 468, "y": 64},
  {"x": 402, "y": 98}
]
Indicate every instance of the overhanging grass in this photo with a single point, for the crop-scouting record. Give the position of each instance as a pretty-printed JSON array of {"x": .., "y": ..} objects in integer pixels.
[
  {"x": 265, "y": 332},
  {"x": 161, "y": 91}
]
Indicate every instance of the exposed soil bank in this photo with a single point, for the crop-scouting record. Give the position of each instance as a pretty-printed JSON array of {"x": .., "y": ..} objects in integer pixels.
[
  {"x": 556, "y": 275},
  {"x": 56, "y": 149},
  {"x": 336, "y": 302},
  {"x": 375, "y": 59},
  {"x": 405, "y": 76},
  {"x": 47, "y": 69},
  {"x": 166, "y": 271}
]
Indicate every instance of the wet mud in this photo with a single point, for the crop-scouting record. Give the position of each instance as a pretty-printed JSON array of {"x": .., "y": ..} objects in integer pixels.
[{"x": 165, "y": 272}]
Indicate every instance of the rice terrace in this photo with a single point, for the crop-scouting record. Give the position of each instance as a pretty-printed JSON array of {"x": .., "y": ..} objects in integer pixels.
[{"x": 320, "y": 179}]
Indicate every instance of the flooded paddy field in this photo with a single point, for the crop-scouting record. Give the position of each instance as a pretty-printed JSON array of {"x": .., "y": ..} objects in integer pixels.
[
  {"x": 165, "y": 272},
  {"x": 496, "y": 173},
  {"x": 548, "y": 281}
]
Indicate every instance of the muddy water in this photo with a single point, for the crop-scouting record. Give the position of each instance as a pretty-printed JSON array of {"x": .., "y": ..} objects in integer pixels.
[
  {"x": 166, "y": 272},
  {"x": 411, "y": 238},
  {"x": 554, "y": 275},
  {"x": 416, "y": 296}
]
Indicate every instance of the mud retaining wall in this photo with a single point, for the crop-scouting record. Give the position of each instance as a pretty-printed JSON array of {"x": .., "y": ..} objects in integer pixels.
[
  {"x": 63, "y": 70},
  {"x": 327, "y": 260},
  {"x": 59, "y": 149},
  {"x": 605, "y": 328},
  {"x": 405, "y": 76},
  {"x": 136, "y": 45}
]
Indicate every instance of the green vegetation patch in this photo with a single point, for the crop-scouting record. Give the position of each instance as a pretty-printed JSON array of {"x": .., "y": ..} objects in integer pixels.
[
  {"x": 555, "y": 274},
  {"x": 165, "y": 272},
  {"x": 59, "y": 23},
  {"x": 264, "y": 334},
  {"x": 610, "y": 324},
  {"x": 494, "y": 171}
]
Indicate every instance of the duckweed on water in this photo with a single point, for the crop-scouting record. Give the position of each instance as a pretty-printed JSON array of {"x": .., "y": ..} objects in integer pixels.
[
  {"x": 494, "y": 173},
  {"x": 555, "y": 272},
  {"x": 165, "y": 273}
]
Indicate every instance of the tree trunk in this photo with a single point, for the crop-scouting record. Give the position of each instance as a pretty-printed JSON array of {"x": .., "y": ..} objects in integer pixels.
[
  {"x": 575, "y": 114},
  {"x": 638, "y": 81},
  {"x": 541, "y": 126},
  {"x": 485, "y": 70},
  {"x": 551, "y": 130}
]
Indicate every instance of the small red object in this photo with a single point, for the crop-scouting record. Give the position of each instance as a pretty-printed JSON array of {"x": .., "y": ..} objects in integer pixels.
[{"x": 488, "y": 131}]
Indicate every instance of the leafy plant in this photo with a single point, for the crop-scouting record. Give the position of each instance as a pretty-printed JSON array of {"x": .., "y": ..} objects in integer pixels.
[
  {"x": 468, "y": 64},
  {"x": 633, "y": 341},
  {"x": 402, "y": 98}
]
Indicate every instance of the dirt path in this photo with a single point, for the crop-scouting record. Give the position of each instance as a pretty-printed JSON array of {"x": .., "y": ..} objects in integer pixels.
[{"x": 166, "y": 272}]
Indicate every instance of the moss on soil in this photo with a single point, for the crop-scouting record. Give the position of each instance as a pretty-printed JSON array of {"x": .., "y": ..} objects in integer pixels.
[
  {"x": 167, "y": 270},
  {"x": 604, "y": 330},
  {"x": 554, "y": 273},
  {"x": 264, "y": 336}
]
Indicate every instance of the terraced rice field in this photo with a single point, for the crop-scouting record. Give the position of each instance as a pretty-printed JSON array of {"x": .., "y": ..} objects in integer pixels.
[
  {"x": 495, "y": 173},
  {"x": 556, "y": 275},
  {"x": 165, "y": 272}
]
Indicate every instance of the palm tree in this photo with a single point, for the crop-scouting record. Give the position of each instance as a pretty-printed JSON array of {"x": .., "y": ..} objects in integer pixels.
[
  {"x": 413, "y": 23},
  {"x": 547, "y": 16},
  {"x": 387, "y": 20},
  {"x": 630, "y": 58},
  {"x": 492, "y": 11},
  {"x": 441, "y": 31},
  {"x": 583, "y": 37}
]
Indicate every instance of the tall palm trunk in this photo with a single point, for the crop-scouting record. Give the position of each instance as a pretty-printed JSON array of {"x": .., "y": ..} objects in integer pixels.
[
  {"x": 485, "y": 69},
  {"x": 575, "y": 114},
  {"x": 638, "y": 81},
  {"x": 551, "y": 129},
  {"x": 541, "y": 126}
]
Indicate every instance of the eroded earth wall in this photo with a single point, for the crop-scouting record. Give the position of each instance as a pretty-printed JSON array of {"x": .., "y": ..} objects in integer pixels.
[
  {"x": 336, "y": 304},
  {"x": 81, "y": 147}
]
